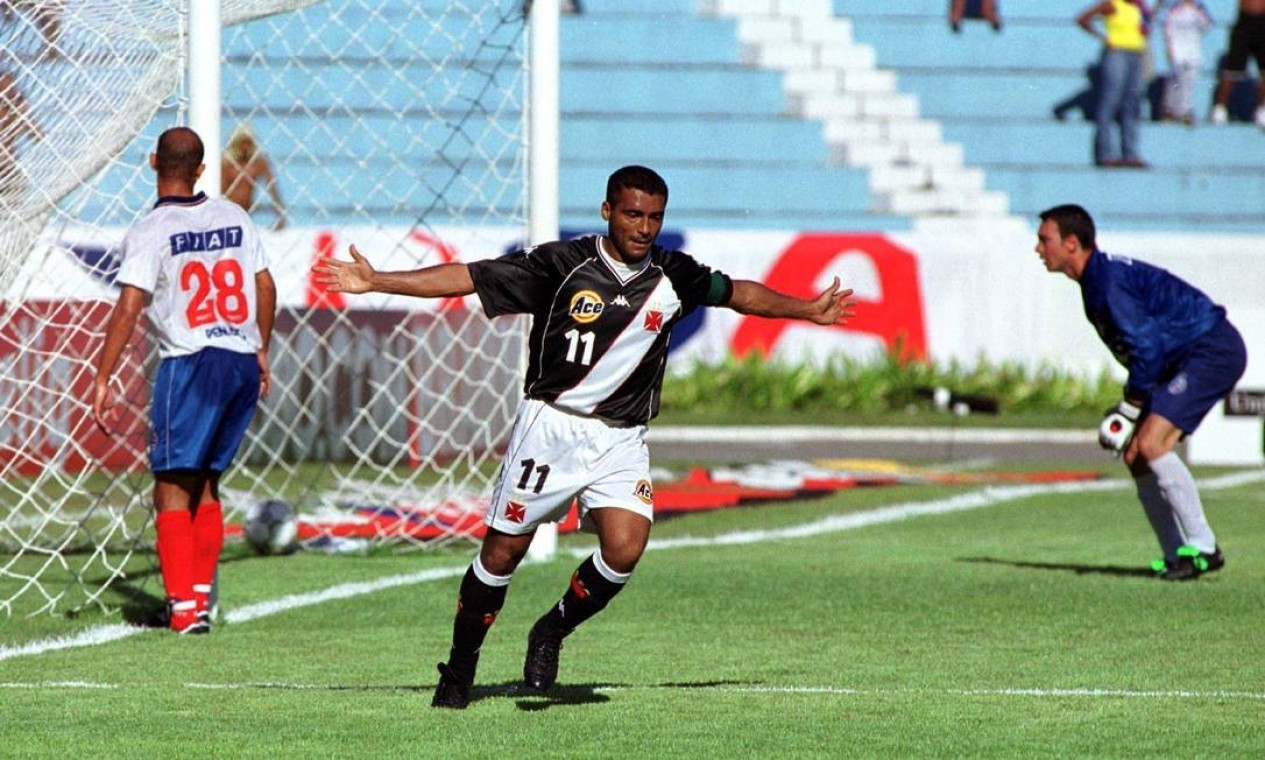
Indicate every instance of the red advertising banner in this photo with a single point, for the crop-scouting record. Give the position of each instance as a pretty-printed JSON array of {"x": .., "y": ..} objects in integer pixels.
[
  {"x": 48, "y": 360},
  {"x": 896, "y": 316}
]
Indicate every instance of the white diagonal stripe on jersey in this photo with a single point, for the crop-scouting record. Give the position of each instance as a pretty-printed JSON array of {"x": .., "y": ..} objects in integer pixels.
[{"x": 625, "y": 354}]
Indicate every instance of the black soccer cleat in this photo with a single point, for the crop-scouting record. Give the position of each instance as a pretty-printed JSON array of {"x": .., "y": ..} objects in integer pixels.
[
  {"x": 452, "y": 692},
  {"x": 540, "y": 668}
]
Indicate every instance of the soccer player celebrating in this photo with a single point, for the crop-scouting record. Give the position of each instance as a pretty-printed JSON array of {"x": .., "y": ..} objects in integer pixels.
[
  {"x": 198, "y": 264},
  {"x": 602, "y": 311},
  {"x": 1183, "y": 356}
]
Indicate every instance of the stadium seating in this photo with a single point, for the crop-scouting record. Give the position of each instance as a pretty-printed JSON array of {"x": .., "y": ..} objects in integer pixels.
[
  {"x": 670, "y": 84},
  {"x": 995, "y": 95},
  {"x": 686, "y": 103}
]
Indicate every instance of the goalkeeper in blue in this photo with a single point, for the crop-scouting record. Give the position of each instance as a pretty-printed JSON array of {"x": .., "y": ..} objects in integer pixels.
[{"x": 1183, "y": 357}]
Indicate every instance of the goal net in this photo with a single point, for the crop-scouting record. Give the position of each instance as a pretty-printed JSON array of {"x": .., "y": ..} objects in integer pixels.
[{"x": 396, "y": 125}]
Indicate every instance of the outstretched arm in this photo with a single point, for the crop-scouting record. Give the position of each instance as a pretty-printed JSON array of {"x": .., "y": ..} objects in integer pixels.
[
  {"x": 123, "y": 319},
  {"x": 359, "y": 276},
  {"x": 831, "y": 307}
]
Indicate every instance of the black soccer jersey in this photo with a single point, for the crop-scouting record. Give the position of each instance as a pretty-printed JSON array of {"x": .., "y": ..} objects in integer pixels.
[{"x": 599, "y": 337}]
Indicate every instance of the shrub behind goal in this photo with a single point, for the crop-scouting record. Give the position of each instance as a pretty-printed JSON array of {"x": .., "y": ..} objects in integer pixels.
[{"x": 392, "y": 124}]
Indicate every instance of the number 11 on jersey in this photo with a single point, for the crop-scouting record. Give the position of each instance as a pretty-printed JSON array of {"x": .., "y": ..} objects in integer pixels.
[{"x": 576, "y": 339}]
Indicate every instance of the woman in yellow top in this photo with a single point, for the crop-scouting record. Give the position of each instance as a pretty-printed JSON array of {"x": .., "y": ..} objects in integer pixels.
[{"x": 1125, "y": 24}]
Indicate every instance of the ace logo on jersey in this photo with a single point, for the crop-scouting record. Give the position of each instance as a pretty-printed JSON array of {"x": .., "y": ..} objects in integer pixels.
[
  {"x": 586, "y": 306},
  {"x": 644, "y": 491}
]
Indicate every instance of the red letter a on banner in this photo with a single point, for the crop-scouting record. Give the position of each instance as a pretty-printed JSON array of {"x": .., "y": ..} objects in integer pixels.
[{"x": 896, "y": 317}]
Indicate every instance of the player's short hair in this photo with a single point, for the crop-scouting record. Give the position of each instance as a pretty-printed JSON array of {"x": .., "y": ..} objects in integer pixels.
[
  {"x": 180, "y": 153},
  {"x": 635, "y": 177},
  {"x": 1073, "y": 220}
]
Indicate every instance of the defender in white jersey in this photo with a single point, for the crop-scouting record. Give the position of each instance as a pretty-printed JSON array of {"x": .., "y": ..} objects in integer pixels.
[
  {"x": 199, "y": 265},
  {"x": 602, "y": 313}
]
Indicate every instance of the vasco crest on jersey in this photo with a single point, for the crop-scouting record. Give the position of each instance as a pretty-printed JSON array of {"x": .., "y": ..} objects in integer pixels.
[
  {"x": 654, "y": 318},
  {"x": 586, "y": 306}
]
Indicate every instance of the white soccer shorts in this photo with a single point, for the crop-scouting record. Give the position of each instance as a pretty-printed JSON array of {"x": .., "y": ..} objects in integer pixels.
[{"x": 555, "y": 457}]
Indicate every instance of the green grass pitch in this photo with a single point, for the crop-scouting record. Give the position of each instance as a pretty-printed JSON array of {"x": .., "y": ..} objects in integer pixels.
[{"x": 1020, "y": 625}]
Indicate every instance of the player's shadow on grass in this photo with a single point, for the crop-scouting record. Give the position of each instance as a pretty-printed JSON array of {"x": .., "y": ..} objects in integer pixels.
[
  {"x": 529, "y": 700},
  {"x": 1132, "y": 571},
  {"x": 138, "y": 605},
  {"x": 560, "y": 695}
]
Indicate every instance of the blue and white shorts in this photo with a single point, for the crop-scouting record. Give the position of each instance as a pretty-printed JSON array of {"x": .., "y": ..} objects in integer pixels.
[{"x": 202, "y": 405}]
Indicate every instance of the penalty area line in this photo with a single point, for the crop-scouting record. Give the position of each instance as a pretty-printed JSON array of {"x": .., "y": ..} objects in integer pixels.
[{"x": 973, "y": 500}]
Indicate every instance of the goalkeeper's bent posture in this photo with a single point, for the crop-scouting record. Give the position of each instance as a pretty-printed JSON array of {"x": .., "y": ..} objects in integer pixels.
[
  {"x": 1183, "y": 357},
  {"x": 602, "y": 310}
]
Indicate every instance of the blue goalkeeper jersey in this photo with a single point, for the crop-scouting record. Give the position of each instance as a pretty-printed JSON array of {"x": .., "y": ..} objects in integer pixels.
[{"x": 1147, "y": 316}]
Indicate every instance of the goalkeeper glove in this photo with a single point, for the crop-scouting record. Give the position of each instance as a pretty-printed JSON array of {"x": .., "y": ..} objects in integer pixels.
[{"x": 1117, "y": 426}]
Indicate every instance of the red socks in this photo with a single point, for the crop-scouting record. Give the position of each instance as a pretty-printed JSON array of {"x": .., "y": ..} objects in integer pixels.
[
  {"x": 175, "y": 553},
  {"x": 188, "y": 552},
  {"x": 208, "y": 539}
]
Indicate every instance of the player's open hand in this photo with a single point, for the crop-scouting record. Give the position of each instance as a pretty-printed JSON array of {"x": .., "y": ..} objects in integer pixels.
[
  {"x": 103, "y": 406},
  {"x": 355, "y": 276},
  {"x": 834, "y": 306},
  {"x": 265, "y": 373}
]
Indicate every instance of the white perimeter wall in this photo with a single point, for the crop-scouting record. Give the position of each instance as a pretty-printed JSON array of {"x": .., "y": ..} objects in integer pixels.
[{"x": 982, "y": 290}]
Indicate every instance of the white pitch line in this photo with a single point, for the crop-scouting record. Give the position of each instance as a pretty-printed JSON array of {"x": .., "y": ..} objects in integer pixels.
[
  {"x": 86, "y": 638},
  {"x": 973, "y": 500},
  {"x": 846, "y": 691},
  {"x": 341, "y": 591},
  {"x": 836, "y": 523},
  {"x": 811, "y": 434},
  {"x": 57, "y": 685}
]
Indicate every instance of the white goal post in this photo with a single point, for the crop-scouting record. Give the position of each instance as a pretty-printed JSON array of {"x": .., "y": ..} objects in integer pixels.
[{"x": 399, "y": 125}]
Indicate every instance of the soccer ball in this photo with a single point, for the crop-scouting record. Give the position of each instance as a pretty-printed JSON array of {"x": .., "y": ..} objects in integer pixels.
[{"x": 270, "y": 527}]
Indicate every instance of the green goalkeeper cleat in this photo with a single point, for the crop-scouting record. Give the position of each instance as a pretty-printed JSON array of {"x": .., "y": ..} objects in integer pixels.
[{"x": 1190, "y": 563}]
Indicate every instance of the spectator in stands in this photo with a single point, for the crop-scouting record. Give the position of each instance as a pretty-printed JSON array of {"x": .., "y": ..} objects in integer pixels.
[
  {"x": 981, "y": 9},
  {"x": 1126, "y": 24},
  {"x": 1185, "y": 23},
  {"x": 15, "y": 125},
  {"x": 1086, "y": 100},
  {"x": 1247, "y": 38},
  {"x": 44, "y": 15},
  {"x": 243, "y": 168}
]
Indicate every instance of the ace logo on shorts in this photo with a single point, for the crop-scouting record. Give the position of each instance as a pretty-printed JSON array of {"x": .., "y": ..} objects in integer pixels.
[
  {"x": 515, "y": 512},
  {"x": 644, "y": 491}
]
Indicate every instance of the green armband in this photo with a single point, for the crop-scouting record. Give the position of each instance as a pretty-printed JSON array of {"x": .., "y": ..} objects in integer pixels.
[{"x": 719, "y": 290}]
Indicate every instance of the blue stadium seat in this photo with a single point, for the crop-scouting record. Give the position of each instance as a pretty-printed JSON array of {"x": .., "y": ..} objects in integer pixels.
[{"x": 995, "y": 94}]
